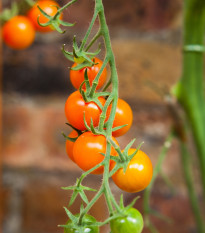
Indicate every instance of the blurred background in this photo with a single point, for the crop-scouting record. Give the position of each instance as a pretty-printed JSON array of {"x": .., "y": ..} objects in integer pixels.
[{"x": 146, "y": 38}]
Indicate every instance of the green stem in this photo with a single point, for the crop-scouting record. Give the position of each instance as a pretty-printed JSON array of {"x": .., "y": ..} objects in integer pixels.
[
  {"x": 147, "y": 192},
  {"x": 190, "y": 89},
  {"x": 186, "y": 161},
  {"x": 89, "y": 30},
  {"x": 66, "y": 6},
  {"x": 97, "y": 35}
]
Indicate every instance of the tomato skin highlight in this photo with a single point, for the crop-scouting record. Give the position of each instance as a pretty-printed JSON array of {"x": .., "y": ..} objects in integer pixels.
[
  {"x": 49, "y": 7},
  {"x": 75, "y": 107},
  {"x": 18, "y": 32},
  {"x": 138, "y": 174},
  {"x": 88, "y": 228},
  {"x": 77, "y": 76},
  {"x": 87, "y": 149},
  {"x": 132, "y": 223},
  {"x": 123, "y": 116},
  {"x": 69, "y": 145}
]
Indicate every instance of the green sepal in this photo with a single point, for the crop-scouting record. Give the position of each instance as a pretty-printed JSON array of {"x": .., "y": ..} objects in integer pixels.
[
  {"x": 69, "y": 138},
  {"x": 72, "y": 217},
  {"x": 7, "y": 14},
  {"x": 118, "y": 127},
  {"x": 77, "y": 130},
  {"x": 67, "y": 54},
  {"x": 132, "y": 203},
  {"x": 82, "y": 65}
]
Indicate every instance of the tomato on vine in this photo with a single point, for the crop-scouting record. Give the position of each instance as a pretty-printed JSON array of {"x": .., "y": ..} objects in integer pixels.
[
  {"x": 132, "y": 222},
  {"x": 76, "y": 107},
  {"x": 50, "y": 7},
  {"x": 18, "y": 32},
  {"x": 77, "y": 76},
  {"x": 87, "y": 227},
  {"x": 138, "y": 174},
  {"x": 87, "y": 151},
  {"x": 69, "y": 144},
  {"x": 123, "y": 116}
]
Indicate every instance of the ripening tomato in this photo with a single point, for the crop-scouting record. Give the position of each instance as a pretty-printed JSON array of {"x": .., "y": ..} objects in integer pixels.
[
  {"x": 87, "y": 151},
  {"x": 76, "y": 107},
  {"x": 69, "y": 144},
  {"x": 87, "y": 227},
  {"x": 18, "y": 32},
  {"x": 48, "y": 6},
  {"x": 138, "y": 174},
  {"x": 123, "y": 116},
  {"x": 77, "y": 76},
  {"x": 131, "y": 223}
]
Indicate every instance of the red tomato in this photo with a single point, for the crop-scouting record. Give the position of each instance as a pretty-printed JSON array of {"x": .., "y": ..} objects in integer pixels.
[
  {"x": 75, "y": 107},
  {"x": 87, "y": 149},
  {"x": 49, "y": 7},
  {"x": 18, "y": 32},
  {"x": 69, "y": 144},
  {"x": 138, "y": 174},
  {"x": 77, "y": 76}
]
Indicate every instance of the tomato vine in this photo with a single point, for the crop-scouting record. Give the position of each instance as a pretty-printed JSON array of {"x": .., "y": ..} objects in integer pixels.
[{"x": 96, "y": 115}]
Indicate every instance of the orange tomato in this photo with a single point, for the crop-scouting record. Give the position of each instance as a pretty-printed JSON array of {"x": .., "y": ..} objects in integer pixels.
[
  {"x": 87, "y": 151},
  {"x": 123, "y": 116},
  {"x": 69, "y": 145},
  {"x": 77, "y": 76},
  {"x": 138, "y": 174},
  {"x": 76, "y": 107},
  {"x": 48, "y": 6},
  {"x": 18, "y": 32}
]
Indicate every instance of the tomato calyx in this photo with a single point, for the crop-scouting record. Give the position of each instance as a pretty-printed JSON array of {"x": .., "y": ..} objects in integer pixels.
[
  {"x": 81, "y": 56},
  {"x": 55, "y": 21},
  {"x": 78, "y": 189},
  {"x": 124, "y": 158},
  {"x": 80, "y": 223}
]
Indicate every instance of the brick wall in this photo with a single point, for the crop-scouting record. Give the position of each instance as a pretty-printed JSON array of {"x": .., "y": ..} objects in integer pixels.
[{"x": 146, "y": 42}]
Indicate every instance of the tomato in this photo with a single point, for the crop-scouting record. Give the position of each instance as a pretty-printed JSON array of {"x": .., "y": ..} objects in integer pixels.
[
  {"x": 18, "y": 32},
  {"x": 75, "y": 107},
  {"x": 131, "y": 223},
  {"x": 87, "y": 225},
  {"x": 87, "y": 149},
  {"x": 138, "y": 174},
  {"x": 69, "y": 144},
  {"x": 123, "y": 116},
  {"x": 47, "y": 6},
  {"x": 77, "y": 76}
]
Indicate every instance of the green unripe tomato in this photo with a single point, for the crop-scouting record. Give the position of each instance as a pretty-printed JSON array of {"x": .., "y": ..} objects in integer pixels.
[
  {"x": 131, "y": 223},
  {"x": 87, "y": 225}
]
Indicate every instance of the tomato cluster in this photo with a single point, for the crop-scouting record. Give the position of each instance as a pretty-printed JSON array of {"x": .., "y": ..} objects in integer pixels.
[
  {"x": 19, "y": 31},
  {"x": 89, "y": 149}
]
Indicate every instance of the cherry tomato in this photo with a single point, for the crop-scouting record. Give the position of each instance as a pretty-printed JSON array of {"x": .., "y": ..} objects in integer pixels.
[
  {"x": 69, "y": 144},
  {"x": 131, "y": 223},
  {"x": 75, "y": 107},
  {"x": 87, "y": 151},
  {"x": 18, "y": 32},
  {"x": 87, "y": 225},
  {"x": 123, "y": 116},
  {"x": 48, "y": 6},
  {"x": 77, "y": 76},
  {"x": 138, "y": 174}
]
